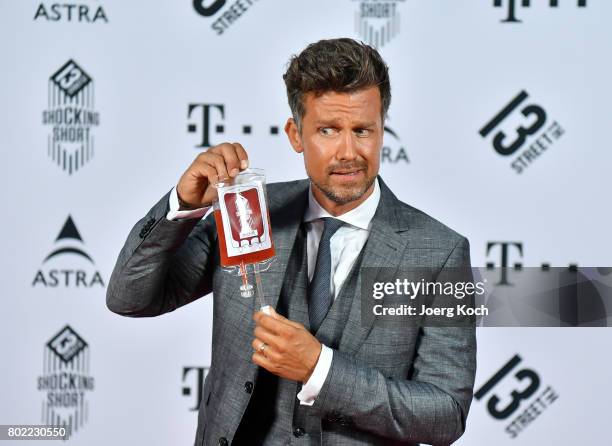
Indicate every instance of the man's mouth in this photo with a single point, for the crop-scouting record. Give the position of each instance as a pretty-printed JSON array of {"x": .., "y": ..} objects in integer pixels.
[{"x": 347, "y": 173}]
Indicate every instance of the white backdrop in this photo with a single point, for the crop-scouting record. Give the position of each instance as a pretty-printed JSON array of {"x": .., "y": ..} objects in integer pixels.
[{"x": 454, "y": 65}]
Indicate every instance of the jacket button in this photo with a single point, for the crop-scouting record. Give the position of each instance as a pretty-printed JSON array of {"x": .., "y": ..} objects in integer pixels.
[
  {"x": 223, "y": 441},
  {"x": 248, "y": 387},
  {"x": 298, "y": 432}
]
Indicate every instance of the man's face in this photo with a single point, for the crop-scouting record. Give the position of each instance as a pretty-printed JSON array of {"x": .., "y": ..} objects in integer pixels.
[{"x": 341, "y": 139}]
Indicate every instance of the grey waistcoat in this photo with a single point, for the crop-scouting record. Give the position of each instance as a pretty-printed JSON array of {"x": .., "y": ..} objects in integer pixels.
[{"x": 274, "y": 415}]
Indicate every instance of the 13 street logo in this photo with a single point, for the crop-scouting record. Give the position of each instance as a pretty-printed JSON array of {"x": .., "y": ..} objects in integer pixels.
[
  {"x": 208, "y": 120},
  {"x": 512, "y": 4},
  {"x": 224, "y": 13},
  {"x": 70, "y": 114},
  {"x": 501, "y": 405},
  {"x": 377, "y": 21},
  {"x": 533, "y": 128},
  {"x": 65, "y": 381},
  {"x": 393, "y": 151},
  {"x": 68, "y": 242},
  {"x": 193, "y": 380},
  {"x": 70, "y": 12}
]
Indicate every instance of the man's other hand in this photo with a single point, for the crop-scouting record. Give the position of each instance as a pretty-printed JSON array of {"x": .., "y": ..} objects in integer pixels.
[{"x": 290, "y": 350}]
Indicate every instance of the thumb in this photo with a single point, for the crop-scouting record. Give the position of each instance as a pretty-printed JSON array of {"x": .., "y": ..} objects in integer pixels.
[{"x": 267, "y": 309}]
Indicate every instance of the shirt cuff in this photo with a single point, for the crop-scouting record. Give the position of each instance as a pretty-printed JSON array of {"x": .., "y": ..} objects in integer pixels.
[
  {"x": 312, "y": 387},
  {"x": 175, "y": 214}
]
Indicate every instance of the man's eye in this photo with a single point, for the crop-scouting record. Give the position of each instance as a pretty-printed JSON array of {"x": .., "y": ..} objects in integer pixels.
[
  {"x": 327, "y": 131},
  {"x": 362, "y": 132}
]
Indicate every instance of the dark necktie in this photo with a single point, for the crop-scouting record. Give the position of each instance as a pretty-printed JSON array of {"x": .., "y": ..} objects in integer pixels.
[{"x": 319, "y": 295}]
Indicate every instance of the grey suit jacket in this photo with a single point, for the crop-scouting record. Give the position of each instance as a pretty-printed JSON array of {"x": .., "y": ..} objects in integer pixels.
[{"x": 403, "y": 387}]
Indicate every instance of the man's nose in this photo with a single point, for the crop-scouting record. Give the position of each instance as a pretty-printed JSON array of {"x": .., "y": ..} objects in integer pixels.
[{"x": 347, "y": 149}]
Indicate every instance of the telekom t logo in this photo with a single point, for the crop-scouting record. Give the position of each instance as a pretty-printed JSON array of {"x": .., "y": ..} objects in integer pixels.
[
  {"x": 512, "y": 4},
  {"x": 205, "y": 124},
  {"x": 505, "y": 262}
]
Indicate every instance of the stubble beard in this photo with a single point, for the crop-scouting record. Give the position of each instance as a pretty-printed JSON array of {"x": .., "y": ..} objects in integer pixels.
[{"x": 345, "y": 194}]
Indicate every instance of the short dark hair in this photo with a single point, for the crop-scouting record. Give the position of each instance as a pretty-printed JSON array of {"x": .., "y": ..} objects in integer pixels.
[{"x": 340, "y": 65}]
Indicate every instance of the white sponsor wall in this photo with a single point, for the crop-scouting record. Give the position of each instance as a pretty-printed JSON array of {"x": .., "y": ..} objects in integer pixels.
[{"x": 143, "y": 74}]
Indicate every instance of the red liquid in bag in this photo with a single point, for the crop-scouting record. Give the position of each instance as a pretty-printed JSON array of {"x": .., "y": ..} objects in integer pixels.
[{"x": 252, "y": 257}]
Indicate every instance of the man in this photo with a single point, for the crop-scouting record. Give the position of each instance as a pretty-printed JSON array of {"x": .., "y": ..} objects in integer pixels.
[{"x": 311, "y": 372}]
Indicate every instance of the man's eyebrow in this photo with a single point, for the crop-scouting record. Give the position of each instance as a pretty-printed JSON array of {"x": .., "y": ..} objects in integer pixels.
[
  {"x": 331, "y": 121},
  {"x": 364, "y": 124}
]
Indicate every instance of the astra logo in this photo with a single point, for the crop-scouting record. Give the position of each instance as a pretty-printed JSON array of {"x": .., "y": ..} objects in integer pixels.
[
  {"x": 511, "y": 6},
  {"x": 59, "y": 267},
  {"x": 393, "y": 150},
  {"x": 207, "y": 121},
  {"x": 70, "y": 12}
]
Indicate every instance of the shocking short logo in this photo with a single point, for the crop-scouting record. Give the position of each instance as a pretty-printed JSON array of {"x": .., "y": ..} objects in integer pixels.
[
  {"x": 66, "y": 381},
  {"x": 377, "y": 22},
  {"x": 71, "y": 117}
]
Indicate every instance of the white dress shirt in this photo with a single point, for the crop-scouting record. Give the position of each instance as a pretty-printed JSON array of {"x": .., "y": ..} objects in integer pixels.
[
  {"x": 345, "y": 246},
  {"x": 175, "y": 214}
]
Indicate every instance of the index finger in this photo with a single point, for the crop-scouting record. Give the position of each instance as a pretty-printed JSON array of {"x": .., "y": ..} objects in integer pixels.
[
  {"x": 230, "y": 156},
  {"x": 269, "y": 323},
  {"x": 242, "y": 155},
  {"x": 282, "y": 318}
]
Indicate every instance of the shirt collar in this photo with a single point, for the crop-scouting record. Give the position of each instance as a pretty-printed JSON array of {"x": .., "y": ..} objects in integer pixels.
[{"x": 359, "y": 217}]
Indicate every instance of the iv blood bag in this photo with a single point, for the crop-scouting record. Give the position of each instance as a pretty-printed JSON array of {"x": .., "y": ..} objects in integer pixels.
[{"x": 243, "y": 220}]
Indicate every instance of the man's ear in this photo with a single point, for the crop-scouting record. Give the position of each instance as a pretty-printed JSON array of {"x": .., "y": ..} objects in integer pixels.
[{"x": 291, "y": 129}]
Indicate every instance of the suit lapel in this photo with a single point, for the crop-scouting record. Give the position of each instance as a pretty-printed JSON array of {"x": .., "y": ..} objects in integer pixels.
[
  {"x": 286, "y": 214},
  {"x": 384, "y": 248}
]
